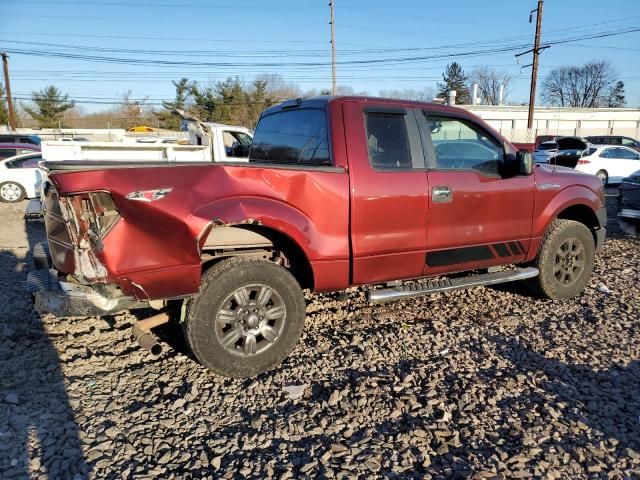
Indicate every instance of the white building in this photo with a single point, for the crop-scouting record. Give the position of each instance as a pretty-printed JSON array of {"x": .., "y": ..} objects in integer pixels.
[{"x": 511, "y": 121}]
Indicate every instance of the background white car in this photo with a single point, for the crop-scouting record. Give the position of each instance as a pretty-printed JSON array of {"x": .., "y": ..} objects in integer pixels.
[
  {"x": 20, "y": 177},
  {"x": 611, "y": 164}
]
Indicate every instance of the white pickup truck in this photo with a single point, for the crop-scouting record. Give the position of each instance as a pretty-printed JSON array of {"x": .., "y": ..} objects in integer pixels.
[{"x": 208, "y": 142}]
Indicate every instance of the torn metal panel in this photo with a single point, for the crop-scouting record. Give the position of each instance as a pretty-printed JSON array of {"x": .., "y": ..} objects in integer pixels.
[{"x": 235, "y": 237}]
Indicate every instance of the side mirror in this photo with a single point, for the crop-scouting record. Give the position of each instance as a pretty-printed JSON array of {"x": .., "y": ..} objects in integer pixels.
[
  {"x": 520, "y": 163},
  {"x": 525, "y": 162}
]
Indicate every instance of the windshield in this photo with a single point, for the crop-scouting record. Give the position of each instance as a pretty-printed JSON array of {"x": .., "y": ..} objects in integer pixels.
[{"x": 548, "y": 146}]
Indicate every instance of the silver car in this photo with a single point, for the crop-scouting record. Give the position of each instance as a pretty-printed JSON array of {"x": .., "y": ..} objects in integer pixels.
[{"x": 545, "y": 152}]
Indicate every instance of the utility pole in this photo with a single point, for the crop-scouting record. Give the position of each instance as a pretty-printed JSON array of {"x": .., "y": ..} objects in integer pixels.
[
  {"x": 534, "y": 68},
  {"x": 333, "y": 49},
  {"x": 536, "y": 51},
  {"x": 12, "y": 113}
]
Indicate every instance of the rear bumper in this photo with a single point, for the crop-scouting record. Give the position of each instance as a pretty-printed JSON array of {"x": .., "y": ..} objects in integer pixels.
[
  {"x": 64, "y": 299},
  {"x": 53, "y": 295}
]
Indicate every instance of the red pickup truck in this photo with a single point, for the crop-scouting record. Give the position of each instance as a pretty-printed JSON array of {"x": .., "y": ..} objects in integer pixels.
[{"x": 338, "y": 191}]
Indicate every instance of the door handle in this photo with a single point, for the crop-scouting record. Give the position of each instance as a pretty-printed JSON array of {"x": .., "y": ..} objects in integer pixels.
[{"x": 441, "y": 194}]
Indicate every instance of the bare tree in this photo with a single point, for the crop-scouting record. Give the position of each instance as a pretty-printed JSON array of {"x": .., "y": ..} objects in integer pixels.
[
  {"x": 489, "y": 81},
  {"x": 132, "y": 112},
  {"x": 426, "y": 94},
  {"x": 594, "y": 84},
  {"x": 278, "y": 88},
  {"x": 347, "y": 90}
]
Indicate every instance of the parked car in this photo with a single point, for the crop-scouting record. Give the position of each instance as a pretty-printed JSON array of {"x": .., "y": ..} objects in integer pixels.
[
  {"x": 12, "y": 149},
  {"x": 545, "y": 152},
  {"x": 629, "y": 198},
  {"x": 540, "y": 139},
  {"x": 615, "y": 140},
  {"x": 338, "y": 192},
  {"x": 610, "y": 164},
  {"x": 20, "y": 177},
  {"x": 570, "y": 150},
  {"x": 142, "y": 129},
  {"x": 17, "y": 138}
]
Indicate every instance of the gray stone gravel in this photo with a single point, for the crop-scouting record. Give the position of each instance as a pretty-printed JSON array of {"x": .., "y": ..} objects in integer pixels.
[{"x": 485, "y": 383}]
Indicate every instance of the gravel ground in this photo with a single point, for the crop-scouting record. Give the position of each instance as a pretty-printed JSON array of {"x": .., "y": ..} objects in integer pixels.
[{"x": 481, "y": 383}]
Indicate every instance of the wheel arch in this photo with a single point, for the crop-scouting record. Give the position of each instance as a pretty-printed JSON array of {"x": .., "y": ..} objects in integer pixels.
[
  {"x": 259, "y": 240},
  {"x": 577, "y": 203}
]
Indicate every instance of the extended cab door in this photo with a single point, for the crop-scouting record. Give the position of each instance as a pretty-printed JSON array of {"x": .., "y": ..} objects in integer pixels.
[
  {"x": 478, "y": 215},
  {"x": 388, "y": 192}
]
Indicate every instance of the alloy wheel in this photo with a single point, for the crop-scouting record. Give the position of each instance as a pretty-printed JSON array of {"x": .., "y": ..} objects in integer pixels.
[
  {"x": 569, "y": 262},
  {"x": 251, "y": 320}
]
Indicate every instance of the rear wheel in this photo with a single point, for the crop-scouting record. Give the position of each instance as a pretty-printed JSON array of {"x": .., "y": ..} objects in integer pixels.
[
  {"x": 247, "y": 319},
  {"x": 11, "y": 192},
  {"x": 603, "y": 176},
  {"x": 565, "y": 260}
]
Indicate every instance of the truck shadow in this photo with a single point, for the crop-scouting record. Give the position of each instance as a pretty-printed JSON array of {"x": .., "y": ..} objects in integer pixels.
[
  {"x": 38, "y": 431},
  {"x": 587, "y": 406},
  {"x": 604, "y": 401}
]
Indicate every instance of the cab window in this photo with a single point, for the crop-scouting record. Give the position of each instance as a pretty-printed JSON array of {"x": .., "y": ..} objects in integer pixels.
[
  {"x": 388, "y": 141},
  {"x": 292, "y": 137},
  {"x": 236, "y": 144},
  {"x": 461, "y": 145}
]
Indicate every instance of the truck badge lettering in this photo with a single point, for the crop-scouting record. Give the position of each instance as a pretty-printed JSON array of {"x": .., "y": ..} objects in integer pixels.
[
  {"x": 149, "y": 195},
  {"x": 548, "y": 186}
]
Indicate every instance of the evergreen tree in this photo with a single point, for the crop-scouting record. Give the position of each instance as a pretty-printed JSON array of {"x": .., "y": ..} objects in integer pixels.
[
  {"x": 169, "y": 119},
  {"x": 258, "y": 99},
  {"x": 206, "y": 102},
  {"x": 233, "y": 101},
  {"x": 49, "y": 107},
  {"x": 455, "y": 79},
  {"x": 4, "y": 113},
  {"x": 616, "y": 96}
]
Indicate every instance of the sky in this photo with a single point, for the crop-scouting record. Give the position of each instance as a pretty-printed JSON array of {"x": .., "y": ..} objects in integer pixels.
[{"x": 95, "y": 50}]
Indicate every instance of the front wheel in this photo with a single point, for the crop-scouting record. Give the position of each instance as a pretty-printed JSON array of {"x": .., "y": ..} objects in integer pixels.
[
  {"x": 11, "y": 192},
  {"x": 248, "y": 317},
  {"x": 565, "y": 260}
]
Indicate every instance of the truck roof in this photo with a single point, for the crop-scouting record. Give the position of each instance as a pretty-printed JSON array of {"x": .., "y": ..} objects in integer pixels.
[{"x": 321, "y": 101}]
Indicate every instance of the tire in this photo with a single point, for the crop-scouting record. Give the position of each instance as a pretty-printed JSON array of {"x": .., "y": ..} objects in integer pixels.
[
  {"x": 603, "y": 176},
  {"x": 231, "y": 329},
  {"x": 565, "y": 260},
  {"x": 11, "y": 192}
]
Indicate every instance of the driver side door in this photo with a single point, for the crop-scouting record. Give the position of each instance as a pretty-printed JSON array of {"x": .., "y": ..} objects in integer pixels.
[{"x": 478, "y": 217}]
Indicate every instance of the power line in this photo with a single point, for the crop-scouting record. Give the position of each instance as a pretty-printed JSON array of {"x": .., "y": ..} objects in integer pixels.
[
  {"x": 388, "y": 61},
  {"x": 235, "y": 6},
  {"x": 333, "y": 48}
]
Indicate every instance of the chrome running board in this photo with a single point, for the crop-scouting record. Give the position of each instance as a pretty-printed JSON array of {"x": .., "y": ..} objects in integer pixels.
[{"x": 448, "y": 284}]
